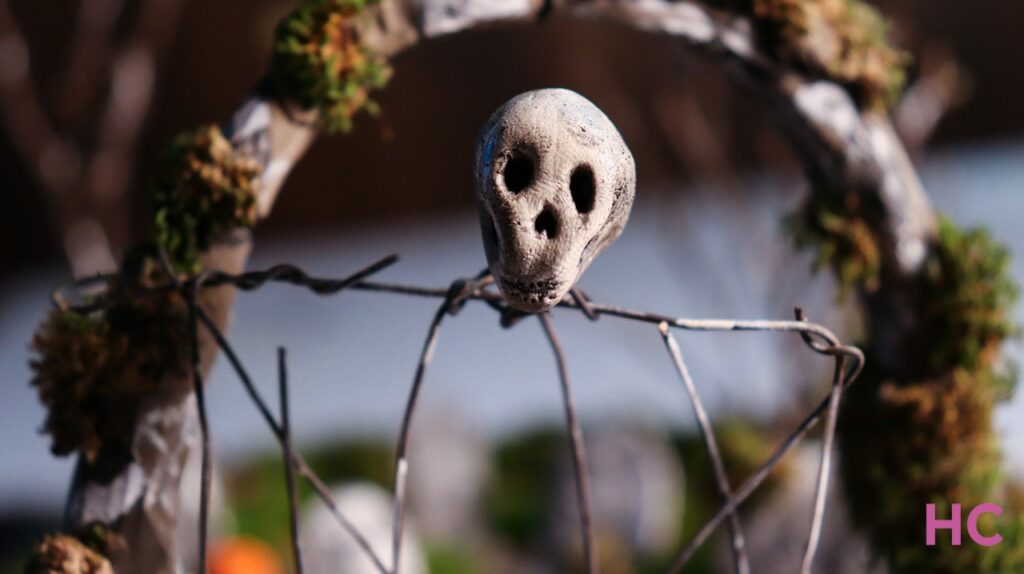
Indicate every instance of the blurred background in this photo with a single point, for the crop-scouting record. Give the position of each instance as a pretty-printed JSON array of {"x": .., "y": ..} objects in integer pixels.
[{"x": 91, "y": 91}]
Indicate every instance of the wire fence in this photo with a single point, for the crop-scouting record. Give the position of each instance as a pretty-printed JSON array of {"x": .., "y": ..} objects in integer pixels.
[{"x": 848, "y": 364}]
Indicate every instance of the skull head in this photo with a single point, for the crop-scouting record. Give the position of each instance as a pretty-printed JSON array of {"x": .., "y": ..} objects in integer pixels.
[{"x": 555, "y": 183}]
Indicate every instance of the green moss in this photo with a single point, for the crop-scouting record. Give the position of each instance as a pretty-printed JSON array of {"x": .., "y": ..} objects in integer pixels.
[
  {"x": 966, "y": 298},
  {"x": 205, "y": 189},
  {"x": 842, "y": 40},
  {"x": 836, "y": 227},
  {"x": 905, "y": 445},
  {"x": 925, "y": 435},
  {"x": 320, "y": 62},
  {"x": 90, "y": 369}
]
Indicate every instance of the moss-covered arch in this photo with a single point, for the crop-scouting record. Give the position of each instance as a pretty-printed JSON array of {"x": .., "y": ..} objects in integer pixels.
[{"x": 936, "y": 298}]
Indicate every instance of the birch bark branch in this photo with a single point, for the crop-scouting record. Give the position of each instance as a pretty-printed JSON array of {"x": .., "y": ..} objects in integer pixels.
[{"x": 142, "y": 501}]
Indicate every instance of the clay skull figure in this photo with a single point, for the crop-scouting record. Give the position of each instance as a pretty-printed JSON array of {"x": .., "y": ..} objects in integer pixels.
[{"x": 555, "y": 184}]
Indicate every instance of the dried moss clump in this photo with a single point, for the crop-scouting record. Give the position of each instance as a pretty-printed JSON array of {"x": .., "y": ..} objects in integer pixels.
[
  {"x": 928, "y": 438},
  {"x": 206, "y": 188},
  {"x": 925, "y": 434},
  {"x": 90, "y": 370},
  {"x": 967, "y": 297},
  {"x": 63, "y": 554},
  {"x": 843, "y": 40},
  {"x": 836, "y": 226},
  {"x": 905, "y": 445},
  {"x": 320, "y": 61}
]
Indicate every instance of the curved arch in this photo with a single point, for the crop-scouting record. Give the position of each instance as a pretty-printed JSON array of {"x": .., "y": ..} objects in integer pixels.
[{"x": 844, "y": 149}]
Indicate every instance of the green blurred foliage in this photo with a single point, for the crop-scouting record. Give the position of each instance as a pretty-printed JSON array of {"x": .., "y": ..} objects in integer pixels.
[{"x": 257, "y": 495}]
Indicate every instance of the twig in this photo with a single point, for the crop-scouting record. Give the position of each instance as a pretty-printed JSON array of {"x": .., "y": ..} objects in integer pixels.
[
  {"x": 942, "y": 86},
  {"x": 29, "y": 128},
  {"x": 88, "y": 51},
  {"x": 289, "y": 469},
  {"x": 579, "y": 456},
  {"x": 78, "y": 179},
  {"x": 739, "y": 551}
]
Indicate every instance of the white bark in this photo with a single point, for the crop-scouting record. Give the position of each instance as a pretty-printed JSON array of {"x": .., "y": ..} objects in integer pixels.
[{"x": 142, "y": 500}]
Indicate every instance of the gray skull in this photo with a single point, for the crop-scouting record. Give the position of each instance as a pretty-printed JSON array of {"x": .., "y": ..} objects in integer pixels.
[{"x": 555, "y": 183}]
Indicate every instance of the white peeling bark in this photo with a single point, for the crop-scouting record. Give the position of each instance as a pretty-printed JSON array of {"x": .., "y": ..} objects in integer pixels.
[{"x": 142, "y": 501}]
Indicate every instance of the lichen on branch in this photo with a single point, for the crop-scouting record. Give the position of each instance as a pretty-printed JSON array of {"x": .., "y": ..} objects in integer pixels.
[
  {"x": 923, "y": 434},
  {"x": 90, "y": 370},
  {"x": 205, "y": 189},
  {"x": 909, "y": 444},
  {"x": 842, "y": 40},
  {"x": 836, "y": 226},
  {"x": 320, "y": 61},
  {"x": 967, "y": 298}
]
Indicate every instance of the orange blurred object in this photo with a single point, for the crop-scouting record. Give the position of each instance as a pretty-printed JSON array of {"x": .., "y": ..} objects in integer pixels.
[{"x": 243, "y": 556}]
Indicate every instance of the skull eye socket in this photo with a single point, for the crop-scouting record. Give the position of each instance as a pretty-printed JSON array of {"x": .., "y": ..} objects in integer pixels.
[
  {"x": 581, "y": 186},
  {"x": 518, "y": 172}
]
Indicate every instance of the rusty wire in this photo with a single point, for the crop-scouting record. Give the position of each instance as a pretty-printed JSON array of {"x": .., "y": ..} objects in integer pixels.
[
  {"x": 296, "y": 459},
  {"x": 289, "y": 469},
  {"x": 848, "y": 364},
  {"x": 739, "y": 552},
  {"x": 579, "y": 456},
  {"x": 401, "y": 464}
]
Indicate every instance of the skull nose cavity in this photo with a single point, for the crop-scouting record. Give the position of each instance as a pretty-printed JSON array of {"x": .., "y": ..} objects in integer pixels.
[
  {"x": 581, "y": 186},
  {"x": 547, "y": 223},
  {"x": 518, "y": 172}
]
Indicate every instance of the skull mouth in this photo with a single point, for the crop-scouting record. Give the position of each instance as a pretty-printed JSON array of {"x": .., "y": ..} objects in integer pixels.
[{"x": 532, "y": 296}]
